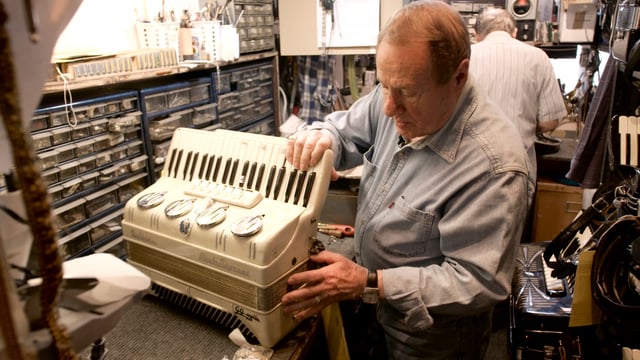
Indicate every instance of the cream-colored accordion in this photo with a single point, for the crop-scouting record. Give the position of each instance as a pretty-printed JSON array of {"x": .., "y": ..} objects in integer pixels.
[{"x": 227, "y": 222}]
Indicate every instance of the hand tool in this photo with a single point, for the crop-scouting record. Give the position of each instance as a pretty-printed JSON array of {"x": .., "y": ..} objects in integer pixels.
[{"x": 337, "y": 230}]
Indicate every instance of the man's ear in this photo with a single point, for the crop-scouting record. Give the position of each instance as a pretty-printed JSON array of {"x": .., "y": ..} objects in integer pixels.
[{"x": 462, "y": 73}]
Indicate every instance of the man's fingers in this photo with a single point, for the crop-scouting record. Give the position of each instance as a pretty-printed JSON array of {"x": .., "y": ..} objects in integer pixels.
[
  {"x": 305, "y": 148},
  {"x": 289, "y": 154},
  {"x": 297, "y": 150},
  {"x": 306, "y": 154},
  {"x": 334, "y": 175}
]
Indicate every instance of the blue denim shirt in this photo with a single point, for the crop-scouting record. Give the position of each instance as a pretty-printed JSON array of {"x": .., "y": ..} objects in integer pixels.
[{"x": 442, "y": 218}]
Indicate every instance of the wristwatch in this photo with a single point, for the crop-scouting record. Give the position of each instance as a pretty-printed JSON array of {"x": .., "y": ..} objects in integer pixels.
[{"x": 370, "y": 294}]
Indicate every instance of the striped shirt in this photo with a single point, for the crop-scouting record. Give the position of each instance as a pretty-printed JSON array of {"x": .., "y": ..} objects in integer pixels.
[{"x": 521, "y": 80}]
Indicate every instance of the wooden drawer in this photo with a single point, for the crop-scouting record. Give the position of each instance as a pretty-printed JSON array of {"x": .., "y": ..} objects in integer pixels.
[{"x": 556, "y": 206}]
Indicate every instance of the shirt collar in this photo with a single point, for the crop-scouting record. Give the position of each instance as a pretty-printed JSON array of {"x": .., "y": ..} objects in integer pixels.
[
  {"x": 447, "y": 140},
  {"x": 498, "y": 35}
]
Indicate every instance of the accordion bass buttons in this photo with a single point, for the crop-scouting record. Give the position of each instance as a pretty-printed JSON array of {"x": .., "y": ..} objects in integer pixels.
[
  {"x": 247, "y": 226},
  {"x": 150, "y": 200},
  {"x": 178, "y": 208},
  {"x": 212, "y": 216}
]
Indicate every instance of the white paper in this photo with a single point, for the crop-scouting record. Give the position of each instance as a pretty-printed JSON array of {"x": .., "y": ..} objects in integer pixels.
[
  {"x": 354, "y": 23},
  {"x": 116, "y": 278}
]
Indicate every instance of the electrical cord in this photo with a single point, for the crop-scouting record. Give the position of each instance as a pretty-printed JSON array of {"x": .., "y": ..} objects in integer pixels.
[
  {"x": 284, "y": 105},
  {"x": 610, "y": 267},
  {"x": 68, "y": 103}
]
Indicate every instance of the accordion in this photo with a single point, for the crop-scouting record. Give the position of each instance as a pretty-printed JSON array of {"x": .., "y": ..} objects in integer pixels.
[{"x": 226, "y": 224}]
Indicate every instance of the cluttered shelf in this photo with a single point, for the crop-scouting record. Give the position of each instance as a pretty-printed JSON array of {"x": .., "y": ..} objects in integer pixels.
[{"x": 137, "y": 75}]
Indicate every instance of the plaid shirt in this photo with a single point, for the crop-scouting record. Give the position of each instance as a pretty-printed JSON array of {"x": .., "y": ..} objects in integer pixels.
[{"x": 314, "y": 87}]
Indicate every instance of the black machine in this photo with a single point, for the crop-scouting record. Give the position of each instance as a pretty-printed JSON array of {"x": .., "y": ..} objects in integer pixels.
[
  {"x": 540, "y": 308},
  {"x": 542, "y": 288}
]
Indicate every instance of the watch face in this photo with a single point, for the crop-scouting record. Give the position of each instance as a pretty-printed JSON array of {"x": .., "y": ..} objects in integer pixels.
[{"x": 370, "y": 295}]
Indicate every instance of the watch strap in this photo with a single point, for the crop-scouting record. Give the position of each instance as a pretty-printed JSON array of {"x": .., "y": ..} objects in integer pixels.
[{"x": 372, "y": 279}]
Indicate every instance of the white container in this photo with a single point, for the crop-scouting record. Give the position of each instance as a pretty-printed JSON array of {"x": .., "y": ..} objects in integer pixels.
[
  {"x": 208, "y": 33},
  {"x": 158, "y": 35},
  {"x": 230, "y": 43}
]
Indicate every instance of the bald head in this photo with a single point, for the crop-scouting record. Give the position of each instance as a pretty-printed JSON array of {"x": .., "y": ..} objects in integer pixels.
[{"x": 494, "y": 19}]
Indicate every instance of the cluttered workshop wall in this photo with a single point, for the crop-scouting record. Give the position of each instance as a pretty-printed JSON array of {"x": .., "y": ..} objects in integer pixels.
[{"x": 106, "y": 27}]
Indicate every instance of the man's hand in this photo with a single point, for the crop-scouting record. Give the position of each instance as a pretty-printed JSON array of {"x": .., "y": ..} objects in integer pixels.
[
  {"x": 546, "y": 126},
  {"x": 340, "y": 279},
  {"x": 305, "y": 148}
]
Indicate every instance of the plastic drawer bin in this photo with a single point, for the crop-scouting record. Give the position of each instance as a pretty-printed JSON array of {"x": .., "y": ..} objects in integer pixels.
[
  {"x": 101, "y": 201},
  {"x": 39, "y": 122},
  {"x": 69, "y": 214},
  {"x": 58, "y": 118},
  {"x": 84, "y": 147},
  {"x": 68, "y": 170},
  {"x": 185, "y": 117},
  {"x": 156, "y": 102},
  {"x": 90, "y": 180},
  {"x": 135, "y": 148},
  {"x": 112, "y": 108},
  {"x": 200, "y": 93},
  {"x": 86, "y": 164},
  {"x": 75, "y": 242},
  {"x": 178, "y": 98},
  {"x": 71, "y": 187},
  {"x": 81, "y": 131},
  {"x": 41, "y": 140},
  {"x": 227, "y": 102},
  {"x": 163, "y": 129},
  {"x": 66, "y": 152},
  {"x": 223, "y": 83},
  {"x": 100, "y": 126},
  {"x": 50, "y": 176},
  {"x": 204, "y": 114},
  {"x": 129, "y": 103},
  {"x": 48, "y": 159},
  {"x": 106, "y": 226},
  {"x": 60, "y": 135}
]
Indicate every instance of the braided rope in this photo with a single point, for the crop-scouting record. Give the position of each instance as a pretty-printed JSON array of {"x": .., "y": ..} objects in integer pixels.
[
  {"x": 12, "y": 348},
  {"x": 35, "y": 196}
]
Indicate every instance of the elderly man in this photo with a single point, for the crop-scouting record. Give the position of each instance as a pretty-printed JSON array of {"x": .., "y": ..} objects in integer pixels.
[{"x": 443, "y": 197}]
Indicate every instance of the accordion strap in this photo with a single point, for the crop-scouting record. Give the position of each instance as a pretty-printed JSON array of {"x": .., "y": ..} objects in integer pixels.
[{"x": 559, "y": 245}]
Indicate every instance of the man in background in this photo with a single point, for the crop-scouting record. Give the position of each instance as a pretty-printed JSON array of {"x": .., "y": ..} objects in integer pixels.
[{"x": 517, "y": 76}]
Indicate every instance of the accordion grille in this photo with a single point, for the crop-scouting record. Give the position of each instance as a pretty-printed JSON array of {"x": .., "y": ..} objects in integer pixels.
[{"x": 207, "y": 312}]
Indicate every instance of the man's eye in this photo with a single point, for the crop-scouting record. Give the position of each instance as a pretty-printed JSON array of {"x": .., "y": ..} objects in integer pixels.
[{"x": 408, "y": 93}]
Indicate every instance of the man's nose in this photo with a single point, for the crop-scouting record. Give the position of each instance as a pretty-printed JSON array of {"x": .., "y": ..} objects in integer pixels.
[{"x": 392, "y": 105}]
